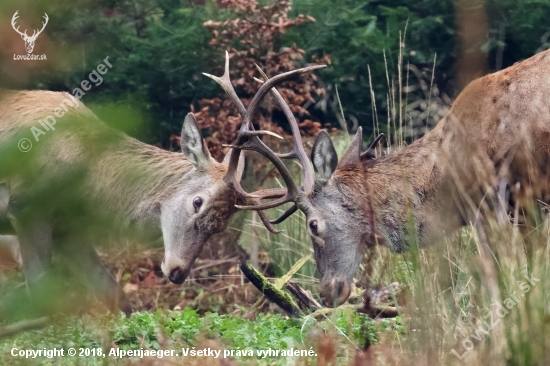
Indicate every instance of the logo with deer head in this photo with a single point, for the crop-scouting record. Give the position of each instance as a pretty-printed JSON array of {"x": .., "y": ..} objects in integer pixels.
[{"x": 29, "y": 40}]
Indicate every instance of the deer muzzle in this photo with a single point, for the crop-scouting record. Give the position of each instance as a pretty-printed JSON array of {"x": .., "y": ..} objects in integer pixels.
[
  {"x": 176, "y": 274},
  {"x": 335, "y": 292}
]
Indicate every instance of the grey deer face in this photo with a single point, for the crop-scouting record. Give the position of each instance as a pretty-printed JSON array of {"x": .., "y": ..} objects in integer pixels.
[
  {"x": 336, "y": 221},
  {"x": 201, "y": 208}
]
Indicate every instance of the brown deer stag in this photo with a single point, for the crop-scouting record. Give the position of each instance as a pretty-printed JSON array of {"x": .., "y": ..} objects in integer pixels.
[
  {"x": 497, "y": 131},
  {"x": 84, "y": 176}
]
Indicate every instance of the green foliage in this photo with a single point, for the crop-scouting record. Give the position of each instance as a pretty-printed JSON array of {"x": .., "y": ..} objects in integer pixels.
[
  {"x": 174, "y": 330},
  {"x": 360, "y": 34},
  {"x": 160, "y": 48},
  {"x": 366, "y": 33},
  {"x": 518, "y": 26}
]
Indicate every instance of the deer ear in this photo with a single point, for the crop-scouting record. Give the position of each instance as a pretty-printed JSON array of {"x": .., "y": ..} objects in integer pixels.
[
  {"x": 240, "y": 166},
  {"x": 324, "y": 157},
  {"x": 193, "y": 145},
  {"x": 353, "y": 152}
]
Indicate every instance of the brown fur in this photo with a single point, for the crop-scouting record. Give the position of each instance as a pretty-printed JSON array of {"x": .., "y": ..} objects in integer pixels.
[
  {"x": 84, "y": 180},
  {"x": 123, "y": 174},
  {"x": 497, "y": 132},
  {"x": 498, "y": 128}
]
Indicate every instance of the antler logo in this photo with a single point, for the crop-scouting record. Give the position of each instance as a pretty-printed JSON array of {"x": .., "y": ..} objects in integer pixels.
[{"x": 29, "y": 40}]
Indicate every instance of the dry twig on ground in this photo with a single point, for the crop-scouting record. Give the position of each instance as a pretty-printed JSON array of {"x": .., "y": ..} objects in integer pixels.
[{"x": 9, "y": 330}]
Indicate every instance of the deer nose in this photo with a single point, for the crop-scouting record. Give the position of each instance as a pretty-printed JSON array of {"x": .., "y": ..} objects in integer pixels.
[
  {"x": 178, "y": 275},
  {"x": 335, "y": 293}
]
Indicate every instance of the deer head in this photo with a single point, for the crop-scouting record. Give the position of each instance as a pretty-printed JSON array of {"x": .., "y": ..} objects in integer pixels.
[
  {"x": 334, "y": 215},
  {"x": 212, "y": 192},
  {"x": 29, "y": 40}
]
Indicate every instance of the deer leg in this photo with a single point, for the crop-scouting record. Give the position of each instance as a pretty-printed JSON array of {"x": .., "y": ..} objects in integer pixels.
[
  {"x": 86, "y": 264},
  {"x": 5, "y": 224},
  {"x": 9, "y": 245},
  {"x": 9, "y": 251},
  {"x": 34, "y": 240},
  {"x": 4, "y": 201},
  {"x": 35, "y": 243}
]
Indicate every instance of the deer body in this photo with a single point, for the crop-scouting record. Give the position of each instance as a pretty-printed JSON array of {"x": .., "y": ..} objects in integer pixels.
[
  {"x": 82, "y": 176},
  {"x": 496, "y": 131},
  {"x": 85, "y": 179}
]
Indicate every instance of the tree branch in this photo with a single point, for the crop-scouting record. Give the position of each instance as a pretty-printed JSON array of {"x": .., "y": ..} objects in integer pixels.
[{"x": 23, "y": 325}]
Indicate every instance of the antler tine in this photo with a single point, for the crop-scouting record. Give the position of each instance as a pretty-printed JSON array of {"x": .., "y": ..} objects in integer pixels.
[
  {"x": 285, "y": 214},
  {"x": 272, "y": 193},
  {"x": 269, "y": 193},
  {"x": 372, "y": 146},
  {"x": 297, "y": 151},
  {"x": 13, "y": 19},
  {"x": 225, "y": 83},
  {"x": 256, "y": 144},
  {"x": 376, "y": 140},
  {"x": 264, "y": 206},
  {"x": 37, "y": 32},
  {"x": 272, "y": 82},
  {"x": 248, "y": 139},
  {"x": 267, "y": 223}
]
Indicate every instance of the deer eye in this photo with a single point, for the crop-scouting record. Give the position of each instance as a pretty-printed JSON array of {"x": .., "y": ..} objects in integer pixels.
[
  {"x": 197, "y": 203},
  {"x": 313, "y": 226}
]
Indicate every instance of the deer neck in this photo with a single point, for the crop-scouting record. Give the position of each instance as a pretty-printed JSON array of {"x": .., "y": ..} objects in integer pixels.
[
  {"x": 131, "y": 180},
  {"x": 404, "y": 185}
]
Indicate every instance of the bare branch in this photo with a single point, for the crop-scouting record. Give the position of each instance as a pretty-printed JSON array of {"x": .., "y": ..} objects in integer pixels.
[{"x": 9, "y": 330}]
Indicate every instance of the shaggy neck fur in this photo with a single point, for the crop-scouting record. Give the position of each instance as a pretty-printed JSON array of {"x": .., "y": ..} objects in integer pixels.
[
  {"x": 132, "y": 179},
  {"x": 83, "y": 157},
  {"x": 396, "y": 186}
]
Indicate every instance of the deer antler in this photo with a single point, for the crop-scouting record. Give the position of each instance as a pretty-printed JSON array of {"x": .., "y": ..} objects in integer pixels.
[
  {"x": 13, "y": 19},
  {"x": 37, "y": 33},
  {"x": 297, "y": 152},
  {"x": 225, "y": 83},
  {"x": 247, "y": 142},
  {"x": 369, "y": 153},
  {"x": 248, "y": 139}
]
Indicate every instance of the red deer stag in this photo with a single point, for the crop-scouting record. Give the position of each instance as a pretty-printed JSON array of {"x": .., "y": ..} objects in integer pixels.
[
  {"x": 84, "y": 176},
  {"x": 497, "y": 131}
]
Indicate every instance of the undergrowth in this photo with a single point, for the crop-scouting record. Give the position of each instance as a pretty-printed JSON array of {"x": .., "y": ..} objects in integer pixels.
[{"x": 175, "y": 330}]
